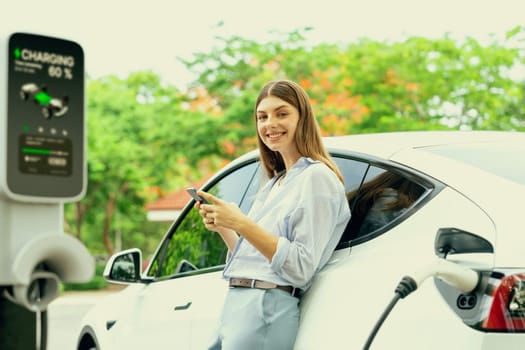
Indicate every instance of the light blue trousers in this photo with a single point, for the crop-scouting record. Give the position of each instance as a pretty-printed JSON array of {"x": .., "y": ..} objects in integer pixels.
[{"x": 256, "y": 319}]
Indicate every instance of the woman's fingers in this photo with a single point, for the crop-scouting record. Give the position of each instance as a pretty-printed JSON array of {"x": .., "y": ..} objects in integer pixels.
[
  {"x": 217, "y": 213},
  {"x": 206, "y": 211},
  {"x": 208, "y": 216},
  {"x": 209, "y": 222},
  {"x": 209, "y": 197}
]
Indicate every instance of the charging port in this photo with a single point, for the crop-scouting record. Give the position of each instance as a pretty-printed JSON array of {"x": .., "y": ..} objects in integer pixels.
[{"x": 467, "y": 301}]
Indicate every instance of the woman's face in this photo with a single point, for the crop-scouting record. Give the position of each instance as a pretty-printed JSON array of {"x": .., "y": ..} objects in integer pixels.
[{"x": 276, "y": 124}]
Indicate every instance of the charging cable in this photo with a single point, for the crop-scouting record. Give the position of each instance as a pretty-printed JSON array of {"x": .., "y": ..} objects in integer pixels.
[{"x": 460, "y": 277}]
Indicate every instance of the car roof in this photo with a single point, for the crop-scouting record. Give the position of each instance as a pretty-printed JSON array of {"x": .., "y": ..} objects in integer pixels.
[{"x": 385, "y": 145}]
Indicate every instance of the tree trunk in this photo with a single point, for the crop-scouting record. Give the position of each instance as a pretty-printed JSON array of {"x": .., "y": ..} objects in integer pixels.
[
  {"x": 80, "y": 211},
  {"x": 81, "y": 208},
  {"x": 110, "y": 208}
]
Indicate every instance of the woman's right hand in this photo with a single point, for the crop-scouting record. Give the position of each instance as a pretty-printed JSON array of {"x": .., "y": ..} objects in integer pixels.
[
  {"x": 220, "y": 213},
  {"x": 207, "y": 220},
  {"x": 229, "y": 236}
]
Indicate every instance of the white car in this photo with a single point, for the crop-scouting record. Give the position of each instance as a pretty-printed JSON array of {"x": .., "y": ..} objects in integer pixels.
[{"x": 456, "y": 233}]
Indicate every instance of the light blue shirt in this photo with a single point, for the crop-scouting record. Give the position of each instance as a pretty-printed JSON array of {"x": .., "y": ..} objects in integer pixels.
[{"x": 308, "y": 213}]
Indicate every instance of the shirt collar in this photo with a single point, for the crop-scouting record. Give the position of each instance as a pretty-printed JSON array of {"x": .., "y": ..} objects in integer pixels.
[{"x": 301, "y": 163}]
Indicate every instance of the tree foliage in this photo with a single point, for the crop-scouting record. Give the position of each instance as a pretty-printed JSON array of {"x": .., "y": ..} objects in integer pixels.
[
  {"x": 146, "y": 138},
  {"x": 371, "y": 86}
]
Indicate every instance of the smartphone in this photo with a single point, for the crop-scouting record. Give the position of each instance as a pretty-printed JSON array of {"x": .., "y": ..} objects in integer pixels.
[{"x": 193, "y": 192}]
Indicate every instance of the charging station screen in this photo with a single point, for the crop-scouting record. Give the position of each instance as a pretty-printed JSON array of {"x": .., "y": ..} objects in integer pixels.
[{"x": 45, "y": 116}]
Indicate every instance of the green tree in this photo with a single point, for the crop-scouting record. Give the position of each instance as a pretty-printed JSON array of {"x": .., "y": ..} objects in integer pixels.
[
  {"x": 142, "y": 136},
  {"x": 371, "y": 86},
  {"x": 116, "y": 178}
]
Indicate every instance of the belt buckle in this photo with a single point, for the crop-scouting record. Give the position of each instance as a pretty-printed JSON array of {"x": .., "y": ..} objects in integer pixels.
[{"x": 253, "y": 283}]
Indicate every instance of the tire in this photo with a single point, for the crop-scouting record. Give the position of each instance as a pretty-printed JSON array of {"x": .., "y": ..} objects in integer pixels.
[{"x": 87, "y": 343}]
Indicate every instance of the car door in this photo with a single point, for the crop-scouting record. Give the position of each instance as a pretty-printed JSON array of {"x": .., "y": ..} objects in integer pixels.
[{"x": 180, "y": 308}]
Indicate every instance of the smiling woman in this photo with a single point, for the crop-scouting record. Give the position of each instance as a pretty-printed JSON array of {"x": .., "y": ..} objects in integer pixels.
[
  {"x": 276, "y": 124},
  {"x": 275, "y": 251}
]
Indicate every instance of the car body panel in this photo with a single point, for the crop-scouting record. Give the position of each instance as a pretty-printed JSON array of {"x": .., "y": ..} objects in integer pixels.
[
  {"x": 347, "y": 283},
  {"x": 468, "y": 179},
  {"x": 161, "y": 310}
]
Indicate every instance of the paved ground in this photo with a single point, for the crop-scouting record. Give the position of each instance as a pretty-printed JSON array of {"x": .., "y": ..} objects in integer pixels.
[{"x": 65, "y": 314}]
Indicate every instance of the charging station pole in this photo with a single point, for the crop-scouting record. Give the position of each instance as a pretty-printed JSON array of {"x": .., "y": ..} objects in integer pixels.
[{"x": 42, "y": 166}]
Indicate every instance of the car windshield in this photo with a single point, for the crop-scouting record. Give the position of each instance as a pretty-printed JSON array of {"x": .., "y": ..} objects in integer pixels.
[{"x": 506, "y": 160}]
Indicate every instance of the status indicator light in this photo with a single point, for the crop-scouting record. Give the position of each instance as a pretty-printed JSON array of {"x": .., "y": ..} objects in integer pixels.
[{"x": 36, "y": 151}]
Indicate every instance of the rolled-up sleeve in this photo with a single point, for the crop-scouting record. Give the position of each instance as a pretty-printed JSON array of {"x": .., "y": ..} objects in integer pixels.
[{"x": 283, "y": 247}]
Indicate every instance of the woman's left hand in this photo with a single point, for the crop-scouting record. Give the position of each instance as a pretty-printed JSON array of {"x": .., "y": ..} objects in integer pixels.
[{"x": 220, "y": 213}]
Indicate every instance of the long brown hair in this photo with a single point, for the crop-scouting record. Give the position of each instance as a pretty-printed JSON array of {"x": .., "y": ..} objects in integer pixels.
[{"x": 307, "y": 136}]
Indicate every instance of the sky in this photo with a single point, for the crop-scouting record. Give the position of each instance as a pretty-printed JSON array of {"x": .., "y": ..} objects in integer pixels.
[{"x": 122, "y": 36}]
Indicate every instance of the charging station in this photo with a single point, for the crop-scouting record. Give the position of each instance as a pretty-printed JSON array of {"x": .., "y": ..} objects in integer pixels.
[{"x": 42, "y": 166}]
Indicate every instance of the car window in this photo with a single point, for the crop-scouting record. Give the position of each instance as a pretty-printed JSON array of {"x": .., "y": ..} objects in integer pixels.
[
  {"x": 258, "y": 179},
  {"x": 191, "y": 246},
  {"x": 382, "y": 198},
  {"x": 353, "y": 171}
]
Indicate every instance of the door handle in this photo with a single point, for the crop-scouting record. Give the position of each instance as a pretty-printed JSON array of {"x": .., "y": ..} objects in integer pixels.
[{"x": 183, "y": 307}]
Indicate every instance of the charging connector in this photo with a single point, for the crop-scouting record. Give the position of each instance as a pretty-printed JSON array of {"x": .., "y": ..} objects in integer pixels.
[{"x": 460, "y": 277}]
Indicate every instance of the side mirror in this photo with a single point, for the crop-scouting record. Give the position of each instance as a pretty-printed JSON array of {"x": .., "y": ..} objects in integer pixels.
[
  {"x": 185, "y": 266},
  {"x": 451, "y": 240},
  {"x": 124, "y": 267}
]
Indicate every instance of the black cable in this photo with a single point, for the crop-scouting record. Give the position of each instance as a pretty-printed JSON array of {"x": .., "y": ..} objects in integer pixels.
[
  {"x": 381, "y": 320},
  {"x": 406, "y": 286}
]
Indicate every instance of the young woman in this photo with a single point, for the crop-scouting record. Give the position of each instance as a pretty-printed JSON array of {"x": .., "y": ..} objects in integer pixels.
[{"x": 290, "y": 232}]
